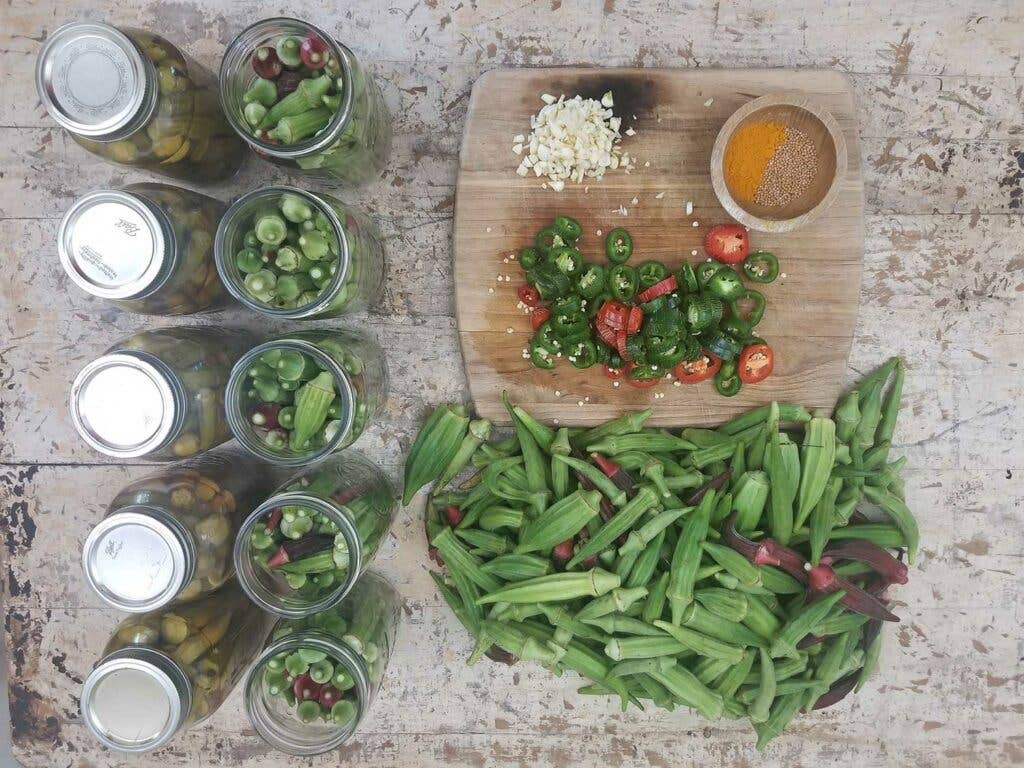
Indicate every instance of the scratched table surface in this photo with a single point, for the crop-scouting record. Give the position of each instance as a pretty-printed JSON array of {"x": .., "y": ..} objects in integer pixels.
[{"x": 939, "y": 88}]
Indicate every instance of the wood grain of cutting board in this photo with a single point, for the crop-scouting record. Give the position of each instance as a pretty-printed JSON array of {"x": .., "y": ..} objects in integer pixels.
[{"x": 811, "y": 313}]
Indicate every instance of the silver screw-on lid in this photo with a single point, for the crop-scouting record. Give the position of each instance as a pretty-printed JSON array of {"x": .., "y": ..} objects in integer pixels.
[
  {"x": 135, "y": 700},
  {"x": 115, "y": 244},
  {"x": 126, "y": 404},
  {"x": 138, "y": 559},
  {"x": 93, "y": 80}
]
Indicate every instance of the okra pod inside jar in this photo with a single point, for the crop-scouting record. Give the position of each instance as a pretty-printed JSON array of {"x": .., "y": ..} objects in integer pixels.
[
  {"x": 318, "y": 676},
  {"x": 163, "y": 672},
  {"x": 146, "y": 248},
  {"x": 302, "y": 550},
  {"x": 302, "y": 100},
  {"x": 298, "y": 398},
  {"x": 132, "y": 98},
  {"x": 167, "y": 538},
  {"x": 295, "y": 255},
  {"x": 158, "y": 394}
]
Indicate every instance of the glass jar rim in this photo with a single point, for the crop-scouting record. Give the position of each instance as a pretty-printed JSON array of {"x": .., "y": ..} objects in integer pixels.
[
  {"x": 333, "y": 647},
  {"x": 238, "y": 54},
  {"x": 242, "y": 428},
  {"x": 229, "y": 273},
  {"x": 247, "y": 573}
]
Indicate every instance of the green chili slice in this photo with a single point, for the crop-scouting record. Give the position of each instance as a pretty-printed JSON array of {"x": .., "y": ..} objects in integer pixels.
[
  {"x": 540, "y": 356},
  {"x": 591, "y": 281},
  {"x": 618, "y": 246},
  {"x": 649, "y": 273},
  {"x": 725, "y": 283},
  {"x": 568, "y": 228},
  {"x": 584, "y": 355},
  {"x": 705, "y": 270},
  {"x": 686, "y": 279},
  {"x": 622, "y": 282},
  {"x": 529, "y": 258},
  {"x": 753, "y": 317},
  {"x": 546, "y": 240},
  {"x": 567, "y": 259},
  {"x": 761, "y": 267},
  {"x": 727, "y": 382}
]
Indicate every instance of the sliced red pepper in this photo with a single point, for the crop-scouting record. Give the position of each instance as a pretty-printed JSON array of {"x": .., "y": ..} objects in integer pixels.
[
  {"x": 613, "y": 314},
  {"x": 273, "y": 519},
  {"x": 539, "y": 316},
  {"x": 605, "y": 464},
  {"x": 634, "y": 320},
  {"x": 613, "y": 373},
  {"x": 305, "y": 688},
  {"x": 756, "y": 363},
  {"x": 620, "y": 345},
  {"x": 606, "y": 333},
  {"x": 454, "y": 515},
  {"x": 639, "y": 383},
  {"x": 660, "y": 288},
  {"x": 529, "y": 295},
  {"x": 701, "y": 369},
  {"x": 727, "y": 243}
]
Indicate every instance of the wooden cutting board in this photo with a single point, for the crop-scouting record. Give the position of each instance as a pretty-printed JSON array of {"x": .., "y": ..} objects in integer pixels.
[{"x": 811, "y": 312}]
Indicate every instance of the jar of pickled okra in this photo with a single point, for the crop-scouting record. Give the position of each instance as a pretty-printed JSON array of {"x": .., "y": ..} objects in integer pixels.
[
  {"x": 145, "y": 248},
  {"x": 163, "y": 672},
  {"x": 302, "y": 100},
  {"x": 295, "y": 255},
  {"x": 167, "y": 537},
  {"x": 301, "y": 550},
  {"x": 318, "y": 676},
  {"x": 132, "y": 98},
  {"x": 300, "y": 397},
  {"x": 158, "y": 394}
]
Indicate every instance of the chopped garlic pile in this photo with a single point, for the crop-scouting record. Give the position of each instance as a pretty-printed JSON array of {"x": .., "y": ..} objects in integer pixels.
[{"x": 573, "y": 139}]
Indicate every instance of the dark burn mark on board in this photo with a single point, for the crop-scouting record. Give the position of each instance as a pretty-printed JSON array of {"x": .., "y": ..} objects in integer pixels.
[
  {"x": 18, "y": 527},
  {"x": 59, "y": 662},
  {"x": 33, "y": 719},
  {"x": 16, "y": 588},
  {"x": 634, "y": 93},
  {"x": 1014, "y": 178}
]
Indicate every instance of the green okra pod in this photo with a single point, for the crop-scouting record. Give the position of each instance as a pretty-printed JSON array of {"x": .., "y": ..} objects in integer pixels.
[
  {"x": 618, "y": 600},
  {"x": 871, "y": 655},
  {"x": 624, "y": 564},
  {"x": 640, "y": 538},
  {"x": 654, "y": 606},
  {"x": 847, "y": 417},
  {"x": 307, "y": 96},
  {"x": 686, "y": 557},
  {"x": 760, "y": 707},
  {"x": 784, "y": 669},
  {"x": 703, "y": 457},
  {"x": 561, "y": 521},
  {"x": 609, "y": 446},
  {"x": 778, "y": 581},
  {"x": 754, "y": 456},
  {"x": 434, "y": 447},
  {"x": 738, "y": 465},
  {"x": 891, "y": 407},
  {"x": 554, "y": 587},
  {"x": 701, "y": 644},
  {"x": 802, "y": 624},
  {"x": 653, "y": 470},
  {"x": 760, "y": 618},
  {"x": 782, "y": 688},
  {"x": 595, "y": 477},
  {"x": 620, "y": 648},
  {"x": 479, "y": 432},
  {"x": 533, "y": 460},
  {"x": 727, "y": 604},
  {"x": 560, "y": 618},
  {"x": 559, "y": 469},
  {"x": 625, "y": 424},
  {"x": 706, "y": 438},
  {"x": 642, "y": 666},
  {"x": 497, "y": 517},
  {"x": 622, "y": 521},
  {"x": 469, "y": 619},
  {"x": 734, "y": 563},
  {"x": 870, "y": 415},
  {"x": 656, "y": 692},
  {"x": 708, "y": 670},
  {"x": 733, "y": 678},
  {"x": 524, "y": 647},
  {"x": 456, "y": 555},
  {"x": 646, "y": 563},
  {"x": 823, "y": 519},
  {"x": 827, "y": 670},
  {"x": 682, "y": 684},
  {"x": 756, "y": 417},
  {"x": 486, "y": 541},
  {"x": 699, "y": 619},
  {"x": 783, "y": 710},
  {"x": 621, "y": 624},
  {"x": 900, "y": 514},
  {"x": 782, "y": 464},
  {"x": 819, "y": 456},
  {"x": 542, "y": 434},
  {"x": 882, "y": 534},
  {"x": 513, "y": 567},
  {"x": 689, "y": 478}
]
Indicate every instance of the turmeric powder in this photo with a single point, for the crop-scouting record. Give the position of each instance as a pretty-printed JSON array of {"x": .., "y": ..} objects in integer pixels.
[{"x": 747, "y": 156}]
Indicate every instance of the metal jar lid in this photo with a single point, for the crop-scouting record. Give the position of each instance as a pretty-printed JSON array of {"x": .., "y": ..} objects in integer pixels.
[
  {"x": 136, "y": 699},
  {"x": 139, "y": 558},
  {"x": 94, "y": 81},
  {"x": 115, "y": 245},
  {"x": 127, "y": 404}
]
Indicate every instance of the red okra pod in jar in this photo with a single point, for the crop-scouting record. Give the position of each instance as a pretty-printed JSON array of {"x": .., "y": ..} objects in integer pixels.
[
  {"x": 132, "y": 98},
  {"x": 298, "y": 398},
  {"x": 317, "y": 677},
  {"x": 163, "y": 672},
  {"x": 302, "y": 100},
  {"x": 292, "y": 254},
  {"x": 146, "y": 248},
  {"x": 167, "y": 537},
  {"x": 302, "y": 550},
  {"x": 158, "y": 394}
]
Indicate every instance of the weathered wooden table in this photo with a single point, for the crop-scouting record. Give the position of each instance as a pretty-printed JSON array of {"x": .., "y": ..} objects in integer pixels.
[{"x": 941, "y": 123}]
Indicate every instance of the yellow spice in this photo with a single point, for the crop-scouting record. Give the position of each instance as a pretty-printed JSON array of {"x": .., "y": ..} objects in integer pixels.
[{"x": 747, "y": 156}]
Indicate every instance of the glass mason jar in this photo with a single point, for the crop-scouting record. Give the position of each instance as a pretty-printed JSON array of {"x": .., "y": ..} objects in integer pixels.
[
  {"x": 133, "y": 98},
  {"x": 145, "y": 248},
  {"x": 318, "y": 676},
  {"x": 303, "y": 100},
  {"x": 301, "y": 550},
  {"x": 298, "y": 398},
  {"x": 296, "y": 255},
  {"x": 167, "y": 537},
  {"x": 158, "y": 394},
  {"x": 167, "y": 670}
]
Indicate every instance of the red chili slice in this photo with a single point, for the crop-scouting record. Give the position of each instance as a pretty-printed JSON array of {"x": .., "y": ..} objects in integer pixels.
[
  {"x": 454, "y": 515},
  {"x": 635, "y": 320},
  {"x": 613, "y": 314},
  {"x": 605, "y": 464},
  {"x": 613, "y": 373},
  {"x": 529, "y": 295},
  {"x": 701, "y": 369},
  {"x": 640, "y": 383},
  {"x": 539, "y": 316},
  {"x": 727, "y": 243},
  {"x": 606, "y": 334},
  {"x": 658, "y": 289},
  {"x": 620, "y": 345},
  {"x": 756, "y": 363}
]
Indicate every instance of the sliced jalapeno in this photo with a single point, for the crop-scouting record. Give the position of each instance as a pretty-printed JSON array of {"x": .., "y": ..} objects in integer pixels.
[
  {"x": 567, "y": 259},
  {"x": 540, "y": 356},
  {"x": 753, "y": 317},
  {"x": 761, "y": 267},
  {"x": 652, "y": 306},
  {"x": 724, "y": 346},
  {"x": 549, "y": 281},
  {"x": 725, "y": 283},
  {"x": 686, "y": 279},
  {"x": 584, "y": 355},
  {"x": 529, "y": 258},
  {"x": 568, "y": 228},
  {"x": 649, "y": 273},
  {"x": 705, "y": 270},
  {"x": 727, "y": 382},
  {"x": 547, "y": 239},
  {"x": 622, "y": 282},
  {"x": 618, "y": 246},
  {"x": 591, "y": 281}
]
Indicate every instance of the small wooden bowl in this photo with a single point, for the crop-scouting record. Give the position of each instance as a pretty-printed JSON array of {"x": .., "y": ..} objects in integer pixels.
[{"x": 793, "y": 112}]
